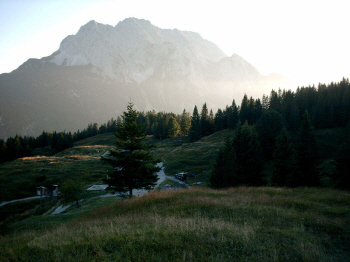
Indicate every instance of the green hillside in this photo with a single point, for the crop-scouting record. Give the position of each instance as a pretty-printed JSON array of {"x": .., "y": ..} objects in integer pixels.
[
  {"x": 20, "y": 177},
  {"x": 197, "y": 224},
  {"x": 240, "y": 224}
]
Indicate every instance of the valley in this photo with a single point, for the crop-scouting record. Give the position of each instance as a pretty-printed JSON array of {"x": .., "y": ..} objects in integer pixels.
[{"x": 196, "y": 223}]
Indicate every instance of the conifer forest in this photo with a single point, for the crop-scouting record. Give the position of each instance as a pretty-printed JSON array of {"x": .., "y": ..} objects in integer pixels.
[{"x": 273, "y": 139}]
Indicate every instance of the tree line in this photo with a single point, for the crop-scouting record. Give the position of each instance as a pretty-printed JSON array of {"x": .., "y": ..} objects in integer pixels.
[
  {"x": 274, "y": 140},
  {"x": 328, "y": 107},
  {"x": 50, "y": 142},
  {"x": 161, "y": 125}
]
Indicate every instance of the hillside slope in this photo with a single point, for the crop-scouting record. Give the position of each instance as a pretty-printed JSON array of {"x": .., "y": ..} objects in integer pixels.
[{"x": 244, "y": 224}]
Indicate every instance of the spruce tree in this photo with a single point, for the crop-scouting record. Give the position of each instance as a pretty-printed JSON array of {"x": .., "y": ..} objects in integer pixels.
[
  {"x": 222, "y": 173},
  {"x": 3, "y": 149},
  {"x": 269, "y": 126},
  {"x": 195, "y": 130},
  {"x": 211, "y": 121},
  {"x": 307, "y": 156},
  {"x": 240, "y": 162},
  {"x": 205, "y": 125},
  {"x": 232, "y": 115},
  {"x": 249, "y": 159},
  {"x": 185, "y": 123},
  {"x": 71, "y": 191},
  {"x": 173, "y": 127},
  {"x": 219, "y": 121},
  {"x": 283, "y": 160},
  {"x": 342, "y": 173},
  {"x": 244, "y": 110},
  {"x": 133, "y": 166},
  {"x": 258, "y": 110}
]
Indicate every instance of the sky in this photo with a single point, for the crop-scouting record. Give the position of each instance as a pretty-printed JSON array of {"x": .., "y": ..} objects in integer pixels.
[{"x": 305, "y": 40}]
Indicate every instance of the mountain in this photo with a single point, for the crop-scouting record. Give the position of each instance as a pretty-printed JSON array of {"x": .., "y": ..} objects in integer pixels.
[{"x": 94, "y": 73}]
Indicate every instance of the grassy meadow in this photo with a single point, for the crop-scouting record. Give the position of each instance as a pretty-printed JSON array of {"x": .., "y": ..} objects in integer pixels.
[
  {"x": 197, "y": 224},
  {"x": 178, "y": 155},
  {"x": 20, "y": 177}
]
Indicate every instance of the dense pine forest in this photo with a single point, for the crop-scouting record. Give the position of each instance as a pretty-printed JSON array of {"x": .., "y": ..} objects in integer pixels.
[{"x": 274, "y": 138}]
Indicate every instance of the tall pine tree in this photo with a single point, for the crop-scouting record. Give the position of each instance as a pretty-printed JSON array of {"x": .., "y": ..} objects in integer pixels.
[
  {"x": 307, "y": 157},
  {"x": 185, "y": 123},
  {"x": 133, "y": 166},
  {"x": 249, "y": 158},
  {"x": 205, "y": 122},
  {"x": 283, "y": 160},
  {"x": 223, "y": 171},
  {"x": 195, "y": 130},
  {"x": 269, "y": 126},
  {"x": 240, "y": 162}
]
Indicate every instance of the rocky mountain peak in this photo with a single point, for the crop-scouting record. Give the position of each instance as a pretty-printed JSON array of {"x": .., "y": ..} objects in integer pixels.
[
  {"x": 96, "y": 71},
  {"x": 134, "y": 49}
]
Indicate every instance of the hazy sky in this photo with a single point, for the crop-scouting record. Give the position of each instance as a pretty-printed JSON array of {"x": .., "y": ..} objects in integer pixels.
[{"x": 307, "y": 41}]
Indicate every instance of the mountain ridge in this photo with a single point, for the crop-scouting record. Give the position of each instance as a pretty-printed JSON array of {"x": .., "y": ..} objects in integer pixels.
[{"x": 95, "y": 72}]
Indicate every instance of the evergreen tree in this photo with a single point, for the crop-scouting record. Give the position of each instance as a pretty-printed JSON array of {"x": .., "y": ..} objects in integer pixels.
[
  {"x": 244, "y": 110},
  {"x": 71, "y": 191},
  {"x": 211, "y": 121},
  {"x": 205, "y": 124},
  {"x": 251, "y": 111},
  {"x": 185, "y": 123},
  {"x": 275, "y": 100},
  {"x": 219, "y": 121},
  {"x": 265, "y": 103},
  {"x": 133, "y": 166},
  {"x": 258, "y": 110},
  {"x": 342, "y": 172},
  {"x": 290, "y": 110},
  {"x": 14, "y": 148},
  {"x": 161, "y": 130},
  {"x": 3, "y": 149},
  {"x": 111, "y": 124},
  {"x": 173, "y": 127},
  {"x": 195, "y": 130},
  {"x": 102, "y": 129},
  {"x": 249, "y": 159},
  {"x": 240, "y": 162},
  {"x": 232, "y": 115},
  {"x": 222, "y": 172},
  {"x": 283, "y": 160},
  {"x": 307, "y": 156},
  {"x": 269, "y": 126}
]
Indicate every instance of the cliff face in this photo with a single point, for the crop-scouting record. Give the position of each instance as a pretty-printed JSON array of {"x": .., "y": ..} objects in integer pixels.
[{"x": 97, "y": 71}]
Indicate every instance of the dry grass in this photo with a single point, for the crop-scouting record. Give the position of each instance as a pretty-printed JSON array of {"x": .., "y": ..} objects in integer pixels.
[{"x": 244, "y": 224}]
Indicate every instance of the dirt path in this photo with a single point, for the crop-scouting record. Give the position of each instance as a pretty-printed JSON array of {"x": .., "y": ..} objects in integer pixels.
[
  {"x": 16, "y": 200},
  {"x": 141, "y": 192},
  {"x": 135, "y": 192},
  {"x": 60, "y": 209}
]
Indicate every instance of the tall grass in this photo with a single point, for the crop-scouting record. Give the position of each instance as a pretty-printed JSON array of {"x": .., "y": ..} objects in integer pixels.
[{"x": 240, "y": 224}]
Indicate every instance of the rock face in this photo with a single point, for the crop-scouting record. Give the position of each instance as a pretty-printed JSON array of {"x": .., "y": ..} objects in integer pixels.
[{"x": 97, "y": 71}]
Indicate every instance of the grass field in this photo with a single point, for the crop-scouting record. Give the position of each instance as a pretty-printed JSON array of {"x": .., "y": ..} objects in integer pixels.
[
  {"x": 195, "y": 158},
  {"x": 198, "y": 224},
  {"x": 19, "y": 178}
]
